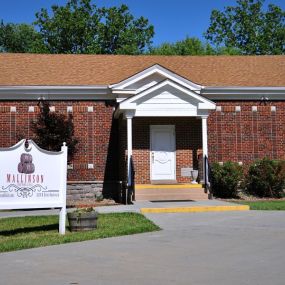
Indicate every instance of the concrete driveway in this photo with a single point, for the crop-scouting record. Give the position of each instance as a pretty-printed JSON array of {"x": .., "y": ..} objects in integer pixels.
[{"x": 200, "y": 248}]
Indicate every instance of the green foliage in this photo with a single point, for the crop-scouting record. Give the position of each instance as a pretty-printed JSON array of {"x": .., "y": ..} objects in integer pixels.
[
  {"x": 227, "y": 51},
  {"x": 266, "y": 178},
  {"x": 18, "y": 38},
  {"x": 79, "y": 27},
  {"x": 70, "y": 29},
  {"x": 226, "y": 179},
  {"x": 52, "y": 129},
  {"x": 248, "y": 28},
  {"x": 191, "y": 46},
  {"x": 82, "y": 27},
  {"x": 121, "y": 33}
]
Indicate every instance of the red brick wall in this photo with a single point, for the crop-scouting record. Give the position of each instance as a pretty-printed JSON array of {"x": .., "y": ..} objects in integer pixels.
[
  {"x": 246, "y": 135},
  {"x": 238, "y": 136},
  {"x": 96, "y": 132}
]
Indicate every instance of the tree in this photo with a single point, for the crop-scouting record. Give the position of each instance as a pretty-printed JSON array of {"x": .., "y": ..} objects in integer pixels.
[
  {"x": 52, "y": 129},
  {"x": 222, "y": 50},
  {"x": 191, "y": 46},
  {"x": 82, "y": 27},
  {"x": 121, "y": 33},
  {"x": 248, "y": 28},
  {"x": 71, "y": 29},
  {"x": 18, "y": 38},
  {"x": 79, "y": 27}
]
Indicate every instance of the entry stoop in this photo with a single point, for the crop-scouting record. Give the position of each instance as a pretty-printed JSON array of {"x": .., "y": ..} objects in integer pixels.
[{"x": 170, "y": 192}]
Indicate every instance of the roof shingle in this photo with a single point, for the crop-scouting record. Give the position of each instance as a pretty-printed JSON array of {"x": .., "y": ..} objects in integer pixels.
[{"x": 44, "y": 69}]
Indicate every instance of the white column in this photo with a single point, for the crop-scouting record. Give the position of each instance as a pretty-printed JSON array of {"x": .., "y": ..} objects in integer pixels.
[
  {"x": 204, "y": 141},
  {"x": 130, "y": 145},
  {"x": 204, "y": 136}
]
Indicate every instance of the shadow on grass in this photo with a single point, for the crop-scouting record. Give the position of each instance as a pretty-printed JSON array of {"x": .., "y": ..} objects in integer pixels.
[{"x": 26, "y": 230}]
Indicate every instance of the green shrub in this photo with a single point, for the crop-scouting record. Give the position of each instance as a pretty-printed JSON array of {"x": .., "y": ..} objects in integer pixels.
[
  {"x": 226, "y": 179},
  {"x": 266, "y": 178}
]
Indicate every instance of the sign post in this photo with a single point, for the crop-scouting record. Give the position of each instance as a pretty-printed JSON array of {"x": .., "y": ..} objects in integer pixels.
[
  {"x": 62, "y": 215},
  {"x": 31, "y": 177}
]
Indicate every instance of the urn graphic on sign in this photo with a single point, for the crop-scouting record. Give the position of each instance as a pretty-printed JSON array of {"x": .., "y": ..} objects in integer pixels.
[{"x": 26, "y": 165}]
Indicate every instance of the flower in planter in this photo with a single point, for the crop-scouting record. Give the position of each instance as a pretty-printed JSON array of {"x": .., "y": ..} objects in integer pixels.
[{"x": 83, "y": 219}]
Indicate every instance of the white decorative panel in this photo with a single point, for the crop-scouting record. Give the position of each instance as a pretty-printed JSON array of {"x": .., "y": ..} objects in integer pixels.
[{"x": 31, "y": 109}]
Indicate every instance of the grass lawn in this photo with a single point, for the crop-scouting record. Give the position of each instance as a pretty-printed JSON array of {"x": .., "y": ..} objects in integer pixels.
[
  {"x": 265, "y": 205},
  {"x": 37, "y": 231}
]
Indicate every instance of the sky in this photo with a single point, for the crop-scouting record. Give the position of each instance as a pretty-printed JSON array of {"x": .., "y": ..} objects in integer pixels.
[{"x": 173, "y": 20}]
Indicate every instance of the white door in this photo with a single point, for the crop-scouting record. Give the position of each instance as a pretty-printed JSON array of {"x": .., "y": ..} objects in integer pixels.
[{"x": 163, "y": 149}]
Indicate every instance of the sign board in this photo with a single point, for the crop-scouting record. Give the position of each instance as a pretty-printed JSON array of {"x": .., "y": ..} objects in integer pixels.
[
  {"x": 31, "y": 177},
  {"x": 186, "y": 172}
]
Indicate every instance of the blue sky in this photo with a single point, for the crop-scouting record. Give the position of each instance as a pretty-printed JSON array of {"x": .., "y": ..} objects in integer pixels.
[{"x": 172, "y": 19}]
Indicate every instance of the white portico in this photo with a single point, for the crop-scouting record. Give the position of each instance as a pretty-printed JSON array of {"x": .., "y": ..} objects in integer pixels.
[{"x": 159, "y": 93}]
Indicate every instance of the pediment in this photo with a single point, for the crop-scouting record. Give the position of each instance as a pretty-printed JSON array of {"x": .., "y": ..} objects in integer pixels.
[
  {"x": 166, "y": 93},
  {"x": 167, "y": 97},
  {"x": 150, "y": 77}
]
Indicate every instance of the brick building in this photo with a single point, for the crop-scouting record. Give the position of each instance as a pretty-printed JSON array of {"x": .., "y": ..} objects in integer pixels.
[{"x": 164, "y": 112}]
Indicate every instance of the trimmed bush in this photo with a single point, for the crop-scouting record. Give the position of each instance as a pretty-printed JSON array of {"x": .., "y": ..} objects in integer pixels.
[
  {"x": 226, "y": 179},
  {"x": 266, "y": 178}
]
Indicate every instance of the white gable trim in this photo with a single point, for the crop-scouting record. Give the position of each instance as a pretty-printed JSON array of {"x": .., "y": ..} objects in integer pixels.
[
  {"x": 128, "y": 103},
  {"x": 156, "y": 110},
  {"x": 151, "y": 70}
]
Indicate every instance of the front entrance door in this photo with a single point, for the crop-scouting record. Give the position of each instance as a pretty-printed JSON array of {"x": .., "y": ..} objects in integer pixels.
[{"x": 162, "y": 160}]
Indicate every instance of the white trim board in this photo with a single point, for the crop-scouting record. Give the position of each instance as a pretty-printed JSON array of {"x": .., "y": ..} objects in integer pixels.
[
  {"x": 56, "y": 93},
  {"x": 104, "y": 93},
  {"x": 151, "y": 70},
  {"x": 244, "y": 93}
]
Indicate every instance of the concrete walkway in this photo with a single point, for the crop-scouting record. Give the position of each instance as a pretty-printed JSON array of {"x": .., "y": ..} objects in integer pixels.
[
  {"x": 234, "y": 248},
  {"x": 118, "y": 208}
]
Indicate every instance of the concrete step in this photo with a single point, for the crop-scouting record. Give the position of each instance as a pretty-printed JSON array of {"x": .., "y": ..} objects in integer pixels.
[
  {"x": 170, "y": 198},
  {"x": 170, "y": 190},
  {"x": 168, "y": 186},
  {"x": 167, "y": 194}
]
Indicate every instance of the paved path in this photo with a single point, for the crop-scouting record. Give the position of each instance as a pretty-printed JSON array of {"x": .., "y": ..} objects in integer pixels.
[
  {"x": 234, "y": 248},
  {"x": 118, "y": 208}
]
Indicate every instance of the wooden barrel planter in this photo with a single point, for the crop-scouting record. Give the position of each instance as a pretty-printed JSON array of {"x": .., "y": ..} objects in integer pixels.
[{"x": 82, "y": 221}]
